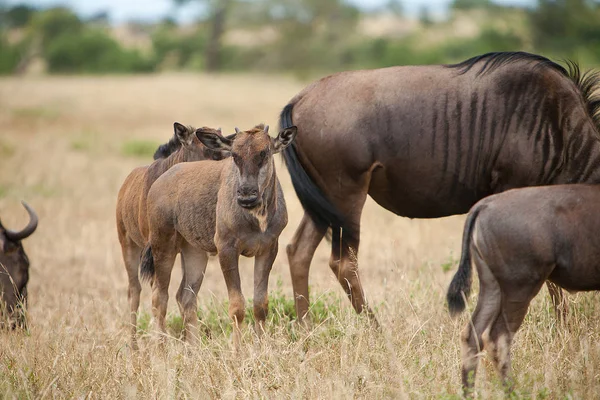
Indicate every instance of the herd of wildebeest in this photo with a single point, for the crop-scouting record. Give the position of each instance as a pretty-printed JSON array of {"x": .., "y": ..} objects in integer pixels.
[{"x": 423, "y": 142}]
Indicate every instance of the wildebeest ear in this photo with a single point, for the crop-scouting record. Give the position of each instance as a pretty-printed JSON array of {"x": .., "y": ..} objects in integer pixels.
[
  {"x": 284, "y": 138},
  {"x": 214, "y": 141},
  {"x": 184, "y": 134}
]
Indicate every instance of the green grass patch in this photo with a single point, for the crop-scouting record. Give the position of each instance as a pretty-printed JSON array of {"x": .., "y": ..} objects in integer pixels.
[
  {"x": 214, "y": 322},
  {"x": 4, "y": 189},
  {"x": 36, "y": 113},
  {"x": 7, "y": 149},
  {"x": 139, "y": 148},
  {"x": 449, "y": 264},
  {"x": 86, "y": 141},
  {"x": 44, "y": 190}
]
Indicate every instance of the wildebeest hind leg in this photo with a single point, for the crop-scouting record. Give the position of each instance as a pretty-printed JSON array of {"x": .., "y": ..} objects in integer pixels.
[
  {"x": 514, "y": 309},
  {"x": 131, "y": 257},
  {"x": 300, "y": 253},
  {"x": 474, "y": 335},
  {"x": 164, "y": 257},
  {"x": 193, "y": 263},
  {"x": 344, "y": 255}
]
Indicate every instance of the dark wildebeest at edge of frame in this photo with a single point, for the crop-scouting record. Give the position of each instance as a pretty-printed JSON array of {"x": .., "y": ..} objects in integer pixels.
[
  {"x": 517, "y": 240},
  {"x": 132, "y": 224},
  {"x": 14, "y": 271},
  {"x": 428, "y": 142},
  {"x": 231, "y": 207}
]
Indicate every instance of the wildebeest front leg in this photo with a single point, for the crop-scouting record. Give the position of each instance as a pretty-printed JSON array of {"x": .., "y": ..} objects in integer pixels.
[
  {"x": 300, "y": 253},
  {"x": 194, "y": 266},
  {"x": 262, "y": 268},
  {"x": 228, "y": 258}
]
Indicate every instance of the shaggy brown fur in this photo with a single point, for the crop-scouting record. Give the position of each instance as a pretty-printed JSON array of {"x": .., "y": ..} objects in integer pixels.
[{"x": 231, "y": 207}]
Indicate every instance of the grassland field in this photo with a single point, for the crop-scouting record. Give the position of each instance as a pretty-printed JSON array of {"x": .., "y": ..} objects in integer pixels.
[{"x": 66, "y": 145}]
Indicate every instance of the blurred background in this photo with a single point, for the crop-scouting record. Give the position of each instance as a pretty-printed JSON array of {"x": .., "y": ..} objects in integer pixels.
[{"x": 305, "y": 37}]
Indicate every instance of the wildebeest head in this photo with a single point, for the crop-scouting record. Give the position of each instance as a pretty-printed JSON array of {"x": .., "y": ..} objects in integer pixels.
[
  {"x": 185, "y": 136},
  {"x": 14, "y": 267},
  {"x": 252, "y": 152}
]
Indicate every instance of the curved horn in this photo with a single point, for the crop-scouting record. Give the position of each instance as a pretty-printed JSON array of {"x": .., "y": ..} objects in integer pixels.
[
  {"x": 28, "y": 230},
  {"x": 266, "y": 129},
  {"x": 237, "y": 130}
]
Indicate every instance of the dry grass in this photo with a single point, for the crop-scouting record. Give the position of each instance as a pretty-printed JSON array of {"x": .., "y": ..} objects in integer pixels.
[{"x": 61, "y": 149}]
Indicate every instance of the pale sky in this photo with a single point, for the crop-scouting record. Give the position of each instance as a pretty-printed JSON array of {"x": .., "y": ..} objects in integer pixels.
[{"x": 150, "y": 10}]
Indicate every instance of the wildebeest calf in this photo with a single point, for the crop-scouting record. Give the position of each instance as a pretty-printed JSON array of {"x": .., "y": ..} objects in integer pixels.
[
  {"x": 517, "y": 240},
  {"x": 14, "y": 270},
  {"x": 132, "y": 226},
  {"x": 231, "y": 207}
]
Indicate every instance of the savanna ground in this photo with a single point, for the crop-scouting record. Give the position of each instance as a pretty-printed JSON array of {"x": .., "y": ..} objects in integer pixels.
[{"x": 67, "y": 143}]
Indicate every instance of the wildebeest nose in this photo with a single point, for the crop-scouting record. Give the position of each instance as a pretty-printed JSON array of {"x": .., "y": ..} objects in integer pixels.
[{"x": 247, "y": 201}]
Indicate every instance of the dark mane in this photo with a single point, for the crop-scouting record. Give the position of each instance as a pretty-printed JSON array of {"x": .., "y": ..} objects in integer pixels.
[
  {"x": 491, "y": 61},
  {"x": 589, "y": 86},
  {"x": 588, "y": 83},
  {"x": 165, "y": 150}
]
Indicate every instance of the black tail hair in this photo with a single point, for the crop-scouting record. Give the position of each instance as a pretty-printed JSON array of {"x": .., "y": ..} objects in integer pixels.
[
  {"x": 147, "y": 265},
  {"x": 461, "y": 283},
  {"x": 320, "y": 209}
]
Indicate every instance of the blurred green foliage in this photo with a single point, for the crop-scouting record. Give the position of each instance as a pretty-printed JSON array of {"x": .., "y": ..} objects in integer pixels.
[{"x": 307, "y": 37}]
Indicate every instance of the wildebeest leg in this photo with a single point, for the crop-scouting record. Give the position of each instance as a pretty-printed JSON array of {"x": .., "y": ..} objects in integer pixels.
[
  {"x": 131, "y": 257},
  {"x": 486, "y": 312},
  {"x": 164, "y": 258},
  {"x": 194, "y": 263},
  {"x": 559, "y": 301},
  {"x": 262, "y": 268},
  {"x": 228, "y": 258},
  {"x": 300, "y": 252},
  {"x": 499, "y": 340},
  {"x": 344, "y": 255}
]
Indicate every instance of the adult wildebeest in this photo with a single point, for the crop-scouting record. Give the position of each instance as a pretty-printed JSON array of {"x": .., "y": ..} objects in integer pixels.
[
  {"x": 132, "y": 225},
  {"x": 14, "y": 270},
  {"x": 517, "y": 240},
  {"x": 231, "y": 207},
  {"x": 428, "y": 142}
]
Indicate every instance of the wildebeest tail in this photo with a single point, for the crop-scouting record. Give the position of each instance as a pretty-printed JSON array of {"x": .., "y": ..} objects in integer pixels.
[
  {"x": 321, "y": 210},
  {"x": 460, "y": 287},
  {"x": 147, "y": 264}
]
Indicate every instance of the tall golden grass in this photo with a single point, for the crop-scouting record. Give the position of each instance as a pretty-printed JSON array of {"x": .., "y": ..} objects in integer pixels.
[{"x": 67, "y": 143}]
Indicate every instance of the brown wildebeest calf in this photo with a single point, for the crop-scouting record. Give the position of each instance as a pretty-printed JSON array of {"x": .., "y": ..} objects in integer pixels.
[
  {"x": 132, "y": 225},
  {"x": 14, "y": 270},
  {"x": 231, "y": 207},
  {"x": 518, "y": 240}
]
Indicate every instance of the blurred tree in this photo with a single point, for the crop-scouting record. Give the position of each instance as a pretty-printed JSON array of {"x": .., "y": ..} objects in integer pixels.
[
  {"x": 217, "y": 11},
  {"x": 566, "y": 25},
  {"x": 49, "y": 24},
  {"x": 17, "y": 16},
  {"x": 470, "y": 4},
  {"x": 425, "y": 16},
  {"x": 395, "y": 7}
]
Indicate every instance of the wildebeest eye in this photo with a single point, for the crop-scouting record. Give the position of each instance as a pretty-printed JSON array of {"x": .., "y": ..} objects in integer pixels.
[
  {"x": 236, "y": 158},
  {"x": 263, "y": 154}
]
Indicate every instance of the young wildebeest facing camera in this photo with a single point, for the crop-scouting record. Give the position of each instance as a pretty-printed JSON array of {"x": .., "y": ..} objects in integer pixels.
[
  {"x": 132, "y": 225},
  {"x": 14, "y": 270},
  {"x": 232, "y": 207},
  {"x": 518, "y": 240}
]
